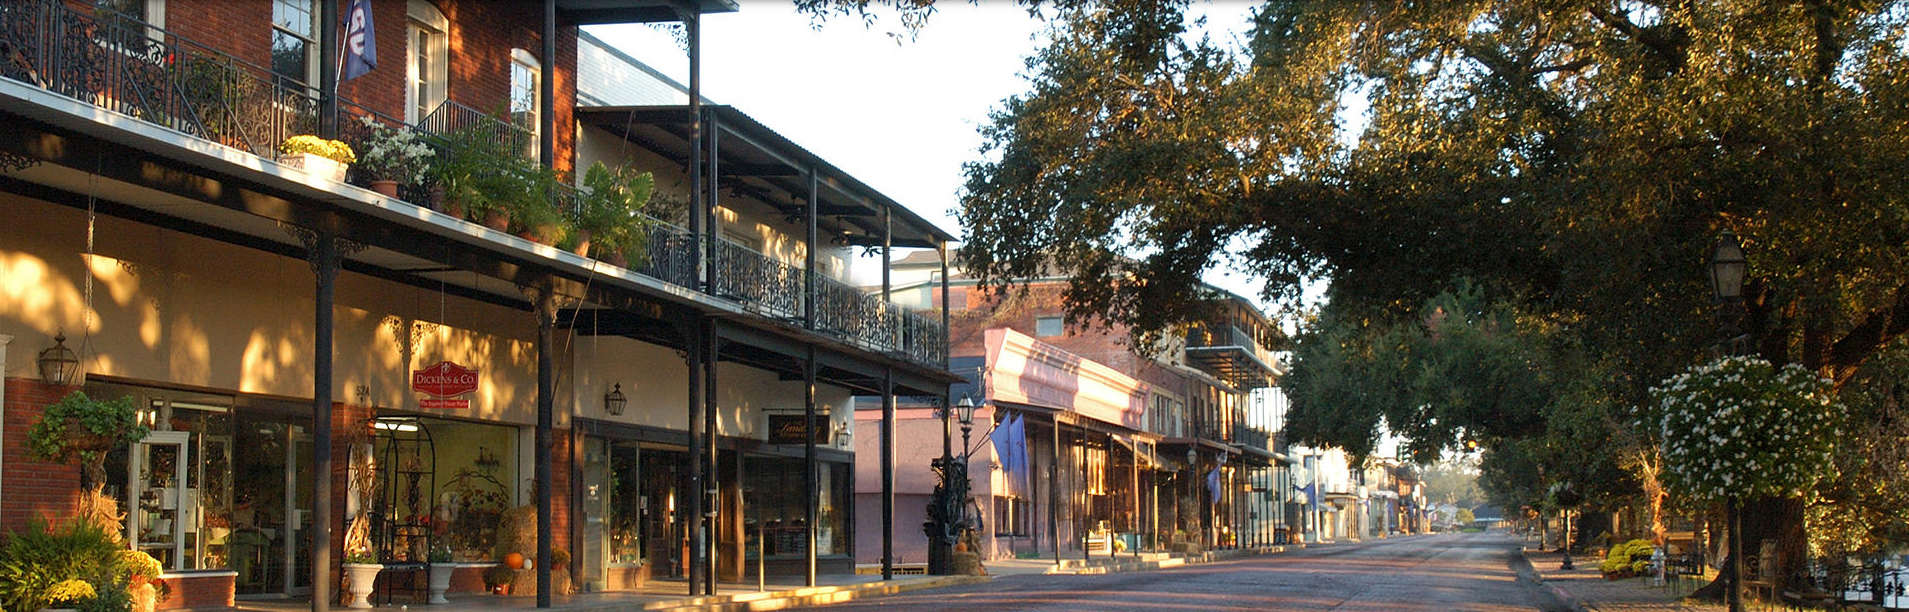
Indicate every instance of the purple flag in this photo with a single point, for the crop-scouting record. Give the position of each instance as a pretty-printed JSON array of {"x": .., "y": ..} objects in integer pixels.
[
  {"x": 1003, "y": 440},
  {"x": 361, "y": 41}
]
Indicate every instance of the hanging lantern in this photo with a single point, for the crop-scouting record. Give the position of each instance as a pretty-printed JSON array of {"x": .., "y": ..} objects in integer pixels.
[
  {"x": 613, "y": 402},
  {"x": 59, "y": 366}
]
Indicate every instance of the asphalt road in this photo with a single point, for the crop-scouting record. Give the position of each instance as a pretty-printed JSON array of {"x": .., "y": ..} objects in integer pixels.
[{"x": 1470, "y": 572}]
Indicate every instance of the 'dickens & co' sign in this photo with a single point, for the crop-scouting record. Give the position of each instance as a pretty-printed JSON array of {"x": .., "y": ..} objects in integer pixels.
[{"x": 442, "y": 383}]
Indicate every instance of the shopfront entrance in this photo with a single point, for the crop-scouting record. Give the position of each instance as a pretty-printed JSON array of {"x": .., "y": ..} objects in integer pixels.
[
  {"x": 222, "y": 484},
  {"x": 634, "y": 520}
]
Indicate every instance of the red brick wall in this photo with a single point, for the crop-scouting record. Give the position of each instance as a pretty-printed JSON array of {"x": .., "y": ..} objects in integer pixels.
[
  {"x": 482, "y": 34},
  {"x": 33, "y": 488},
  {"x": 191, "y": 592}
]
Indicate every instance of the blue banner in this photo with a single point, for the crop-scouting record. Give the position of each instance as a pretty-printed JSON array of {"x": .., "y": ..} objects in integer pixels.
[{"x": 361, "y": 41}]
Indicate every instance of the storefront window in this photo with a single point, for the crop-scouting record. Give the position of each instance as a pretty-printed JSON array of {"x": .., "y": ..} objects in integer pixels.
[
  {"x": 475, "y": 465},
  {"x": 776, "y": 508},
  {"x": 176, "y": 485}
]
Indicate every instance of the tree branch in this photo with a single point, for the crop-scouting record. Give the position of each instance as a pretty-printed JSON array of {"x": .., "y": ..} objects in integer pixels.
[{"x": 1878, "y": 328}]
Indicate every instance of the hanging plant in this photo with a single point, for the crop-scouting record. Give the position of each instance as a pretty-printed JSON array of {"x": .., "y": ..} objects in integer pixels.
[
  {"x": 81, "y": 428},
  {"x": 1742, "y": 428}
]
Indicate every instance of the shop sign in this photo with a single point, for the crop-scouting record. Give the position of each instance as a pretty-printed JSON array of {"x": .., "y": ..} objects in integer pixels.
[
  {"x": 444, "y": 382},
  {"x": 787, "y": 429}
]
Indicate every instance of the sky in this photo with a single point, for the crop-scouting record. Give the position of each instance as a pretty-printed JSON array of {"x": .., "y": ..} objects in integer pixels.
[{"x": 900, "y": 115}]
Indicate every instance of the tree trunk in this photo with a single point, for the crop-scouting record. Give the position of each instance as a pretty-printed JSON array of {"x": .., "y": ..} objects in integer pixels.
[{"x": 1776, "y": 519}]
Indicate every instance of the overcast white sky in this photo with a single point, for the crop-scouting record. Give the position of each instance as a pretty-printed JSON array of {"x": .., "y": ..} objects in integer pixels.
[{"x": 900, "y": 115}]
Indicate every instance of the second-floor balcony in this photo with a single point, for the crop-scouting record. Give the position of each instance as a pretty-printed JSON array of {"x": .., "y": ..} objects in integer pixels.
[
  {"x": 119, "y": 64},
  {"x": 1231, "y": 354}
]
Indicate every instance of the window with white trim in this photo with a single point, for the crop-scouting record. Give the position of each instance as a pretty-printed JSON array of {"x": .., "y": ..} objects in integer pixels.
[
  {"x": 525, "y": 103},
  {"x": 294, "y": 42},
  {"x": 427, "y": 60}
]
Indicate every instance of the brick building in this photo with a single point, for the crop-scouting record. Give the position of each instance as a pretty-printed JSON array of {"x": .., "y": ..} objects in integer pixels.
[{"x": 282, "y": 330}]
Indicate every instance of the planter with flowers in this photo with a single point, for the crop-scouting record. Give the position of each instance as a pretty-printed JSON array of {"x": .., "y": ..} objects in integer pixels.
[
  {"x": 393, "y": 157},
  {"x": 1740, "y": 428},
  {"x": 318, "y": 156}
]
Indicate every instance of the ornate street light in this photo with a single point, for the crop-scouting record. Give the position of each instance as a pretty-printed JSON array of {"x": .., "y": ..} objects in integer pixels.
[
  {"x": 614, "y": 401},
  {"x": 59, "y": 366},
  {"x": 1727, "y": 269}
]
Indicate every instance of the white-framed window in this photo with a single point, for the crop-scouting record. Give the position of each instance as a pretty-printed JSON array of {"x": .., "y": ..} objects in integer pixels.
[
  {"x": 153, "y": 12},
  {"x": 1048, "y": 327},
  {"x": 295, "y": 41},
  {"x": 427, "y": 60},
  {"x": 525, "y": 103}
]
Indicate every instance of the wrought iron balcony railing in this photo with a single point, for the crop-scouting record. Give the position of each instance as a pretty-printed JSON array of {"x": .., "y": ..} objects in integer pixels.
[
  {"x": 116, "y": 62},
  {"x": 122, "y": 64}
]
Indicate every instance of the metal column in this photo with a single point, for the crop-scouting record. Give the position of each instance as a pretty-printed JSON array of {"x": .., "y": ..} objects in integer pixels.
[
  {"x": 325, "y": 258},
  {"x": 546, "y": 306}
]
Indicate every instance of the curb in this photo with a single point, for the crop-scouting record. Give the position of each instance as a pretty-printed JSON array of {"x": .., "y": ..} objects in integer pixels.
[
  {"x": 1560, "y": 599},
  {"x": 808, "y": 596}
]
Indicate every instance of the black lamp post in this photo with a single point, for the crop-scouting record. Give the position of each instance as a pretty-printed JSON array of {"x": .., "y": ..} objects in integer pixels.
[
  {"x": 1727, "y": 269},
  {"x": 947, "y": 509},
  {"x": 1568, "y": 499}
]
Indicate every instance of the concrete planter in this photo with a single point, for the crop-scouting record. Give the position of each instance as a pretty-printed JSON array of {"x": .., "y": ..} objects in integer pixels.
[{"x": 363, "y": 577}]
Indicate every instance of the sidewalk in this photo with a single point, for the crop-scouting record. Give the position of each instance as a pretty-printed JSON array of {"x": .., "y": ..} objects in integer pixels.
[
  {"x": 831, "y": 588},
  {"x": 673, "y": 595},
  {"x": 1583, "y": 588}
]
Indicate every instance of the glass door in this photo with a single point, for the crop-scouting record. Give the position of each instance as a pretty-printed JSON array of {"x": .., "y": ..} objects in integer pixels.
[
  {"x": 271, "y": 520},
  {"x": 156, "y": 473}
]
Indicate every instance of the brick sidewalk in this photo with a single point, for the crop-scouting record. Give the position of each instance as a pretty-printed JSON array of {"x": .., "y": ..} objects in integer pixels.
[{"x": 1584, "y": 588}]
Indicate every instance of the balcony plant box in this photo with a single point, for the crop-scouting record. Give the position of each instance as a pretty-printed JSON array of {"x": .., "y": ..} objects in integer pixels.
[{"x": 317, "y": 156}]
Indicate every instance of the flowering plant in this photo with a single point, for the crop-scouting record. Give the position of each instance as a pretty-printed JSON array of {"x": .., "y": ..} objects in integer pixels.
[
  {"x": 1739, "y": 427},
  {"x": 329, "y": 149},
  {"x": 70, "y": 591},
  {"x": 394, "y": 154}
]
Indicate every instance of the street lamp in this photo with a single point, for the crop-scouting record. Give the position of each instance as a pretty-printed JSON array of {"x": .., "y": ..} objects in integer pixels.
[
  {"x": 964, "y": 412},
  {"x": 1727, "y": 268},
  {"x": 1568, "y": 498}
]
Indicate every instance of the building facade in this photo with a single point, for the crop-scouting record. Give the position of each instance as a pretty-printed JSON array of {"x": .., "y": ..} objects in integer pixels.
[
  {"x": 1192, "y": 464},
  {"x": 310, "y": 353}
]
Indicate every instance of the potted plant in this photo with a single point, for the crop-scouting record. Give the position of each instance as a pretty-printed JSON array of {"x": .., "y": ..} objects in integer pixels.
[
  {"x": 361, "y": 569},
  {"x": 498, "y": 579},
  {"x": 611, "y": 225},
  {"x": 393, "y": 156},
  {"x": 318, "y": 156},
  {"x": 441, "y": 569},
  {"x": 478, "y": 176}
]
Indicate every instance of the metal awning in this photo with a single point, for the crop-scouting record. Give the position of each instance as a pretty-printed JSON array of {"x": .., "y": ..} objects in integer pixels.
[
  {"x": 598, "y": 12},
  {"x": 756, "y": 161}
]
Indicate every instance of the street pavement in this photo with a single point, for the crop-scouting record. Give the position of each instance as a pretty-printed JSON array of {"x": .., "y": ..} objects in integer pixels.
[{"x": 1457, "y": 572}]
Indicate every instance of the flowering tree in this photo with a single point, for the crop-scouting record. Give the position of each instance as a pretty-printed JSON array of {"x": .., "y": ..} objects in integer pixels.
[{"x": 1741, "y": 428}]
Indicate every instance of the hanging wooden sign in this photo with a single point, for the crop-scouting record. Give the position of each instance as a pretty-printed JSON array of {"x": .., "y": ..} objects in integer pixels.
[
  {"x": 787, "y": 429},
  {"x": 443, "y": 383}
]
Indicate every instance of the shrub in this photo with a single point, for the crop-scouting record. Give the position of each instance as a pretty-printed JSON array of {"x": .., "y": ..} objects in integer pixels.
[
  {"x": 35, "y": 561},
  {"x": 1628, "y": 559}
]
